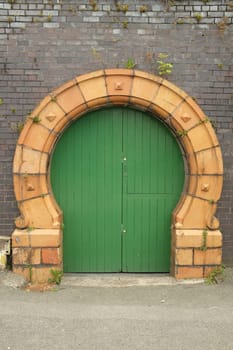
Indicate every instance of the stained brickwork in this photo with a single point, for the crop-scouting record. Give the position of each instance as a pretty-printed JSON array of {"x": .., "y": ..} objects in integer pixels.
[{"x": 45, "y": 43}]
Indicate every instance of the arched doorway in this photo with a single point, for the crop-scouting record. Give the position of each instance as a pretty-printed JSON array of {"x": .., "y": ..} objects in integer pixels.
[
  {"x": 196, "y": 241},
  {"x": 117, "y": 174}
]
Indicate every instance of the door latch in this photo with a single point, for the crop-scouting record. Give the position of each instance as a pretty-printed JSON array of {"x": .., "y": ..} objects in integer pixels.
[{"x": 123, "y": 230}]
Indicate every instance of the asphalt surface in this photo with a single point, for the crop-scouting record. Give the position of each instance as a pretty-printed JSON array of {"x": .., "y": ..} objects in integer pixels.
[{"x": 177, "y": 317}]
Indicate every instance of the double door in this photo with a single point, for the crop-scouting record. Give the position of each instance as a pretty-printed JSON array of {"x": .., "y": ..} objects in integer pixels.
[{"x": 117, "y": 174}]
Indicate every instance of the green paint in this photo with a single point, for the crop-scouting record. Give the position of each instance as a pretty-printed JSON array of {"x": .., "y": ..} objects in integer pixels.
[{"x": 117, "y": 174}]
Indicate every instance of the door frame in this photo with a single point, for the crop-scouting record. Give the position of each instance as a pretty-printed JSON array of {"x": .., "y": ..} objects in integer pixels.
[{"x": 196, "y": 239}]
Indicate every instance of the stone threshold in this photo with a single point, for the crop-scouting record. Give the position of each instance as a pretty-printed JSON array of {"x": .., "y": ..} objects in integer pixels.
[{"x": 119, "y": 280}]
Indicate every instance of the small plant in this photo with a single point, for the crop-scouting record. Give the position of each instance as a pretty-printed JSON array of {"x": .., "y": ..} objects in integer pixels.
[
  {"x": 143, "y": 9},
  {"x": 12, "y": 2},
  {"x": 56, "y": 276},
  {"x": 220, "y": 65},
  {"x": 198, "y": 17},
  {"x": 216, "y": 275},
  {"x": 93, "y": 4},
  {"x": 36, "y": 119},
  {"x": 163, "y": 67},
  {"x": 1, "y": 101},
  {"x": 130, "y": 64},
  {"x": 223, "y": 24},
  {"x": 203, "y": 121},
  {"x": 168, "y": 4},
  {"x": 194, "y": 99},
  {"x": 49, "y": 18},
  {"x": 20, "y": 126},
  {"x": 30, "y": 229},
  {"x": 72, "y": 10},
  {"x": 214, "y": 124},
  {"x": 204, "y": 239},
  {"x": 205, "y": 1},
  {"x": 98, "y": 55},
  {"x": 125, "y": 24},
  {"x": 149, "y": 56},
  {"x": 180, "y": 21},
  {"x": 211, "y": 201},
  {"x": 13, "y": 110},
  {"x": 50, "y": 3},
  {"x": 9, "y": 20},
  {"x": 53, "y": 98},
  {"x": 29, "y": 266},
  {"x": 182, "y": 132},
  {"x": 122, "y": 7},
  {"x": 17, "y": 126}
]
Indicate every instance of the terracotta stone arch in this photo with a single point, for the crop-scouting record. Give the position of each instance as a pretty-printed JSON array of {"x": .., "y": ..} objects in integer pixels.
[{"x": 196, "y": 240}]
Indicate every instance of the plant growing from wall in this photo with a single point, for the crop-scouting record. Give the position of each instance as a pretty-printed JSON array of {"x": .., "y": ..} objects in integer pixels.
[
  {"x": 168, "y": 3},
  {"x": 182, "y": 133},
  {"x": 125, "y": 24},
  {"x": 222, "y": 25},
  {"x": 9, "y": 19},
  {"x": 17, "y": 126},
  {"x": 121, "y": 7},
  {"x": 56, "y": 276},
  {"x": 220, "y": 65},
  {"x": 130, "y": 64},
  {"x": 36, "y": 119},
  {"x": 29, "y": 266},
  {"x": 53, "y": 98},
  {"x": 163, "y": 66},
  {"x": 98, "y": 56},
  {"x": 216, "y": 275},
  {"x": 204, "y": 240},
  {"x": 143, "y": 8},
  {"x": 198, "y": 17},
  {"x": 93, "y": 4}
]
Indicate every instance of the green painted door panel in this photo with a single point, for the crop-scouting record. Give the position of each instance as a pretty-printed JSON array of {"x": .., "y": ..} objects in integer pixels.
[
  {"x": 86, "y": 176},
  {"x": 117, "y": 174},
  {"x": 153, "y": 178}
]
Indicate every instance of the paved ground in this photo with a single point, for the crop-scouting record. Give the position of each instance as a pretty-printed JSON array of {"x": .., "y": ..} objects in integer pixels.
[{"x": 163, "y": 317}]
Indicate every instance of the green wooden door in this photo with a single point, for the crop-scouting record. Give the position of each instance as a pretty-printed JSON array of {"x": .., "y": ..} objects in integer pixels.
[{"x": 117, "y": 174}]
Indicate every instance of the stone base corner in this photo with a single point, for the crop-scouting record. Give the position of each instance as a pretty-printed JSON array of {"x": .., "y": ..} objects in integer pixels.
[
  {"x": 196, "y": 253},
  {"x": 36, "y": 252}
]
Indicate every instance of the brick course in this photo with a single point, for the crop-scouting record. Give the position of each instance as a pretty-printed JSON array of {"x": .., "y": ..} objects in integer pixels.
[{"x": 45, "y": 43}]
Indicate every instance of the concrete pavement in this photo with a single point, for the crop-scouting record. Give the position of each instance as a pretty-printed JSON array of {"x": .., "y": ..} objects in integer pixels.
[{"x": 163, "y": 317}]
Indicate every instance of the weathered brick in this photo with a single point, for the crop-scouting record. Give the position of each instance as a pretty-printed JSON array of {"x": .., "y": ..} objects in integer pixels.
[
  {"x": 21, "y": 256},
  {"x": 208, "y": 257},
  {"x": 45, "y": 238},
  {"x": 184, "y": 257},
  {"x": 188, "y": 272},
  {"x": 51, "y": 256}
]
